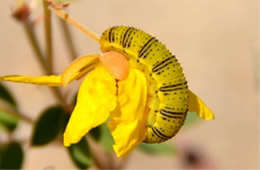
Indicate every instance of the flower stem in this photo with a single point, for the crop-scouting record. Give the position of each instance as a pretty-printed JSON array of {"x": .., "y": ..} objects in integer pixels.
[
  {"x": 49, "y": 53},
  {"x": 68, "y": 39},
  {"x": 48, "y": 36},
  {"x": 62, "y": 14}
]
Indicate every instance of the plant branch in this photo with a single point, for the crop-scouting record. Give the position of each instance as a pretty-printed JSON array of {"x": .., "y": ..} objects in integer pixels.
[
  {"x": 62, "y": 14},
  {"x": 40, "y": 57},
  {"x": 68, "y": 39},
  {"x": 19, "y": 115},
  {"x": 123, "y": 162},
  {"x": 35, "y": 44},
  {"x": 48, "y": 36},
  {"x": 49, "y": 52}
]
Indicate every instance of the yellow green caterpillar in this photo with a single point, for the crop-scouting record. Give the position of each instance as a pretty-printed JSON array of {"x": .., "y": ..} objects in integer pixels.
[
  {"x": 166, "y": 102},
  {"x": 168, "y": 86}
]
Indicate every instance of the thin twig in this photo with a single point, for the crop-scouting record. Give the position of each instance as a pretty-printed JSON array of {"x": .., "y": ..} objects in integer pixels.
[
  {"x": 123, "y": 162},
  {"x": 49, "y": 52},
  {"x": 29, "y": 29},
  {"x": 19, "y": 115},
  {"x": 60, "y": 98},
  {"x": 96, "y": 153},
  {"x": 48, "y": 36},
  {"x": 75, "y": 23},
  {"x": 35, "y": 44},
  {"x": 68, "y": 39}
]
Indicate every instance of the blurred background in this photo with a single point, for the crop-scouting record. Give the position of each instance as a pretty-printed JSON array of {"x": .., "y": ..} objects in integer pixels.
[{"x": 217, "y": 44}]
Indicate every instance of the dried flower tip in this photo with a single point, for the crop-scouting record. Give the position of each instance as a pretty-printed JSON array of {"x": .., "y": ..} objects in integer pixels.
[{"x": 22, "y": 13}]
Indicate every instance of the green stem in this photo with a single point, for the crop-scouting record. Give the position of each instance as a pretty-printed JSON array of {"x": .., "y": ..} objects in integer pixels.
[
  {"x": 48, "y": 36},
  {"x": 68, "y": 39}
]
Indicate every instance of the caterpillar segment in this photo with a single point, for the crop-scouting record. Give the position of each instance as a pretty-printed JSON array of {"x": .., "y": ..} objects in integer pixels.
[{"x": 168, "y": 87}]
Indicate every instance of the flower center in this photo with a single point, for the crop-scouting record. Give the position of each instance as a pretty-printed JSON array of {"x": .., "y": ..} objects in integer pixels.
[{"x": 116, "y": 64}]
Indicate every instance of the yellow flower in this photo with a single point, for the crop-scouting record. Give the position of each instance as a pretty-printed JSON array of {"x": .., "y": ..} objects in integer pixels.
[
  {"x": 100, "y": 96},
  {"x": 112, "y": 90}
]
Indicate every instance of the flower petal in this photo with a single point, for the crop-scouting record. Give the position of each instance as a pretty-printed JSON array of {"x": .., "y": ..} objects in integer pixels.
[
  {"x": 128, "y": 122},
  {"x": 96, "y": 99},
  {"x": 116, "y": 64},
  {"x": 75, "y": 70},
  {"x": 197, "y": 105},
  {"x": 78, "y": 68},
  {"x": 52, "y": 80}
]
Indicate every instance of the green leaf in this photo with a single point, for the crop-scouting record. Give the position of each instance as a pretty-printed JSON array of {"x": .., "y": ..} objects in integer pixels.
[
  {"x": 6, "y": 95},
  {"x": 191, "y": 119},
  {"x": 96, "y": 133},
  {"x": 11, "y": 156},
  {"x": 64, "y": 121},
  {"x": 8, "y": 121},
  {"x": 48, "y": 126},
  {"x": 64, "y": 1},
  {"x": 103, "y": 137},
  {"x": 80, "y": 154},
  {"x": 157, "y": 149}
]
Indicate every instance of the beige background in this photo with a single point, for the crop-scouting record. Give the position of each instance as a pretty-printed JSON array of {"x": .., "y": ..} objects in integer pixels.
[{"x": 217, "y": 43}]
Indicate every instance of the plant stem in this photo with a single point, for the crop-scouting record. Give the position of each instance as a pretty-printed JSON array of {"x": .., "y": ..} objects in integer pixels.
[
  {"x": 62, "y": 14},
  {"x": 68, "y": 39},
  {"x": 40, "y": 57},
  {"x": 49, "y": 52},
  {"x": 123, "y": 162},
  {"x": 19, "y": 115},
  {"x": 59, "y": 97},
  {"x": 48, "y": 36},
  {"x": 35, "y": 45},
  {"x": 96, "y": 152}
]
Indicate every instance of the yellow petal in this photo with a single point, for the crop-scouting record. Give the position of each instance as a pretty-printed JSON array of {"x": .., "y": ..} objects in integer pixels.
[
  {"x": 96, "y": 99},
  {"x": 128, "y": 121},
  {"x": 198, "y": 106},
  {"x": 78, "y": 68},
  {"x": 51, "y": 80},
  {"x": 75, "y": 70}
]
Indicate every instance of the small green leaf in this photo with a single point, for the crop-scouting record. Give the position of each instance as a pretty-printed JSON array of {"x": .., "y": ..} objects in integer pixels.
[
  {"x": 157, "y": 149},
  {"x": 64, "y": 121},
  {"x": 80, "y": 154},
  {"x": 191, "y": 119},
  {"x": 6, "y": 95},
  {"x": 11, "y": 156},
  {"x": 105, "y": 138},
  {"x": 8, "y": 121},
  {"x": 96, "y": 133},
  {"x": 48, "y": 126},
  {"x": 64, "y": 1}
]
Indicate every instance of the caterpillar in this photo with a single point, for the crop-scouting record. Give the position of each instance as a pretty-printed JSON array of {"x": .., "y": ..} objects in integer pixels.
[
  {"x": 168, "y": 89},
  {"x": 168, "y": 86}
]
